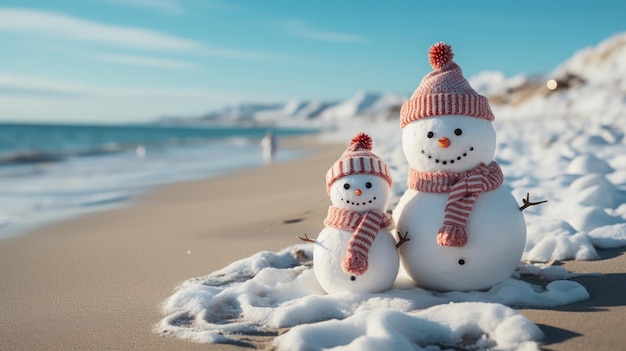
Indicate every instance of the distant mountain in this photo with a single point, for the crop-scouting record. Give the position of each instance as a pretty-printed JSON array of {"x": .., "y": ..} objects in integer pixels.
[
  {"x": 294, "y": 112},
  {"x": 242, "y": 112},
  {"x": 301, "y": 112},
  {"x": 363, "y": 104},
  {"x": 592, "y": 83}
]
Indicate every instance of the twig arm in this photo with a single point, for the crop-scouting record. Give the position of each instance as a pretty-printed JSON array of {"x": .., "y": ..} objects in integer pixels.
[
  {"x": 528, "y": 203},
  {"x": 402, "y": 239},
  {"x": 306, "y": 239}
]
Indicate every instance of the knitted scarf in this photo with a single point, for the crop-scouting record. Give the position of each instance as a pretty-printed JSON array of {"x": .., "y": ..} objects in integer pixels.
[
  {"x": 366, "y": 226},
  {"x": 464, "y": 189}
]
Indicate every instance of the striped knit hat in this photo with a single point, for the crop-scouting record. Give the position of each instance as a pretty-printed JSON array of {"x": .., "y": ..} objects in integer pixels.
[
  {"x": 444, "y": 91},
  {"x": 358, "y": 159}
]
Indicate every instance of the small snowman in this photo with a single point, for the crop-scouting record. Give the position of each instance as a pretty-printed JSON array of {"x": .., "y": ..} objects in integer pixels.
[
  {"x": 467, "y": 231},
  {"x": 356, "y": 251}
]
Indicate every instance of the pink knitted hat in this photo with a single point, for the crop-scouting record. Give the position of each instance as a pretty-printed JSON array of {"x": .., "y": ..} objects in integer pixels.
[
  {"x": 444, "y": 91},
  {"x": 358, "y": 159}
]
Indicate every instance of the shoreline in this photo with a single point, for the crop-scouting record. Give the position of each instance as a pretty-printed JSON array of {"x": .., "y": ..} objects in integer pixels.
[
  {"x": 97, "y": 281},
  {"x": 291, "y": 147}
]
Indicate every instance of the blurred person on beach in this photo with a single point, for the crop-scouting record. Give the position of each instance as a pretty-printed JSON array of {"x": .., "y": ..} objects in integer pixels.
[{"x": 269, "y": 146}]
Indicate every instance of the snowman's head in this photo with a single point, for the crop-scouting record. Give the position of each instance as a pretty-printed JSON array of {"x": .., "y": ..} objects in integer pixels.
[
  {"x": 360, "y": 192},
  {"x": 359, "y": 180},
  {"x": 449, "y": 143},
  {"x": 446, "y": 124}
]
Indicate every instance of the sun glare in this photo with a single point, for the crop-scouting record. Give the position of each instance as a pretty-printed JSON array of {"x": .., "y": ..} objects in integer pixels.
[{"x": 552, "y": 84}]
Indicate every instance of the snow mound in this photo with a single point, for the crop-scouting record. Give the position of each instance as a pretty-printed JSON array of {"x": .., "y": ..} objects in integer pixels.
[
  {"x": 609, "y": 236},
  {"x": 279, "y": 290},
  {"x": 588, "y": 218},
  {"x": 556, "y": 239},
  {"x": 584, "y": 164},
  {"x": 473, "y": 325}
]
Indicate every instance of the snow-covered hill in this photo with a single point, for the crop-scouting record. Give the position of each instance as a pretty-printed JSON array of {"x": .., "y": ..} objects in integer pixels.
[
  {"x": 603, "y": 65},
  {"x": 591, "y": 85}
]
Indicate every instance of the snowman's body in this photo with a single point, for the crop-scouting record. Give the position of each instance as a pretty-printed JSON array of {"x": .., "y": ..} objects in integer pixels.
[
  {"x": 496, "y": 230},
  {"x": 496, "y": 239},
  {"x": 359, "y": 193},
  {"x": 329, "y": 252}
]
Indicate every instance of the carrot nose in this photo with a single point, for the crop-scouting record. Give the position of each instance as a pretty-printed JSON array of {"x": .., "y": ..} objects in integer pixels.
[
  {"x": 358, "y": 192},
  {"x": 444, "y": 142}
]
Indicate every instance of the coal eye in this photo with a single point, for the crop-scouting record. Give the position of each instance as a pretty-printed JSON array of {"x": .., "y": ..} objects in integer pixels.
[
  {"x": 346, "y": 186},
  {"x": 430, "y": 134},
  {"x": 458, "y": 131},
  {"x": 368, "y": 185}
]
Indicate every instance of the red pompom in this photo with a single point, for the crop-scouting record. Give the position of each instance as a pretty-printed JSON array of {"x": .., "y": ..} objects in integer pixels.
[
  {"x": 362, "y": 141},
  {"x": 439, "y": 55}
]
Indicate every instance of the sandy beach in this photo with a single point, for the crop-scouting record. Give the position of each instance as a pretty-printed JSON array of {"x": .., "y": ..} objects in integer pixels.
[{"x": 96, "y": 282}]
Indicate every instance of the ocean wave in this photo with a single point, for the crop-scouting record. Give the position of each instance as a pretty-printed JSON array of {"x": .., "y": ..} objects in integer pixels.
[
  {"x": 25, "y": 157},
  {"x": 28, "y": 157},
  {"x": 105, "y": 199}
]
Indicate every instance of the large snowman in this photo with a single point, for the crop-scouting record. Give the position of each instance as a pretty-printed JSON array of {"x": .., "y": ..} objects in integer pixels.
[
  {"x": 356, "y": 252},
  {"x": 466, "y": 230}
]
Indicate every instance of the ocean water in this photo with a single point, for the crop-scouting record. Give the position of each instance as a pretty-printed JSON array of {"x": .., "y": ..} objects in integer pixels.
[{"x": 52, "y": 172}]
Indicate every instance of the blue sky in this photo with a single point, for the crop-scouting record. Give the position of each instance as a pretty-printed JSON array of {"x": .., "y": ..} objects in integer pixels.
[{"x": 115, "y": 61}]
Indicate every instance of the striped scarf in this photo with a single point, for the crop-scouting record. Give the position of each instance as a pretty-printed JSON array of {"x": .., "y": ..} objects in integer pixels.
[
  {"x": 366, "y": 226},
  {"x": 464, "y": 189}
]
